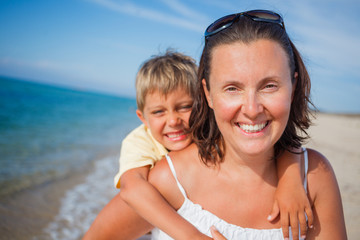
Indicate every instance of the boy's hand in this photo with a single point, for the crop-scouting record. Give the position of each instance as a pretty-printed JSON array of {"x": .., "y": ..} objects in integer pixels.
[
  {"x": 216, "y": 234},
  {"x": 293, "y": 204}
]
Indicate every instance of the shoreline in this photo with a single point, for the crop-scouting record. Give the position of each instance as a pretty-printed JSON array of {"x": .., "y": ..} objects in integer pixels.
[{"x": 27, "y": 214}]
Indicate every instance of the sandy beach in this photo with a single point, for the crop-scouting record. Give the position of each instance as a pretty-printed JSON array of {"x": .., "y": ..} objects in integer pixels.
[
  {"x": 338, "y": 138},
  {"x": 335, "y": 136}
]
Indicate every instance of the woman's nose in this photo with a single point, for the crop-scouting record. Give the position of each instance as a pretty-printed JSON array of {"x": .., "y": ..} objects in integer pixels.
[{"x": 252, "y": 106}]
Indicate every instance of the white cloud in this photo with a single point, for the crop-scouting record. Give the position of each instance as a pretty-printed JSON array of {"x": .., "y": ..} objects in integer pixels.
[
  {"x": 67, "y": 74},
  {"x": 332, "y": 47},
  {"x": 67, "y": 70},
  {"x": 153, "y": 15},
  {"x": 221, "y": 4},
  {"x": 45, "y": 65},
  {"x": 186, "y": 11}
]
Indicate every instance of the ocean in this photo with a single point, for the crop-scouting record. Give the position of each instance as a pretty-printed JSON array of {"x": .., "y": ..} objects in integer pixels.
[{"x": 59, "y": 151}]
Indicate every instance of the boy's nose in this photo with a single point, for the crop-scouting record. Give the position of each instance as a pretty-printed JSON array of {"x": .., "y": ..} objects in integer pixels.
[{"x": 174, "y": 119}]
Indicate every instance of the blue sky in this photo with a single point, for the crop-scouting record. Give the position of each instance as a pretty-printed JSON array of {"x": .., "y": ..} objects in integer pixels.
[{"x": 100, "y": 44}]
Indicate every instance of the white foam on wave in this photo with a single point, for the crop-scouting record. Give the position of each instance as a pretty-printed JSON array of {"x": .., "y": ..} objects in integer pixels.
[{"x": 81, "y": 204}]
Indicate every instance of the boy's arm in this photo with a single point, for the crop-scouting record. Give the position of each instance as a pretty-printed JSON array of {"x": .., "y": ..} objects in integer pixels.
[
  {"x": 147, "y": 201},
  {"x": 117, "y": 221},
  {"x": 291, "y": 198}
]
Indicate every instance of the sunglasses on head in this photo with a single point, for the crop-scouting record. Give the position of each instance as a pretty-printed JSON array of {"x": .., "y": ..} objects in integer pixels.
[{"x": 255, "y": 15}]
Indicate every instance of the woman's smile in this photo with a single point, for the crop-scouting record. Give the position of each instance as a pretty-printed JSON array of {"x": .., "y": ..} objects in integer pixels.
[
  {"x": 251, "y": 98},
  {"x": 252, "y": 128}
]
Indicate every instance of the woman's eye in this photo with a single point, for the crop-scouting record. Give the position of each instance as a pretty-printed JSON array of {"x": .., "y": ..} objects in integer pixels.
[
  {"x": 185, "y": 108},
  {"x": 270, "y": 86},
  {"x": 231, "y": 89}
]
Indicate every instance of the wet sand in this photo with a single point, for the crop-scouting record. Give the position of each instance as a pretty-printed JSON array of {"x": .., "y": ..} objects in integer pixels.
[
  {"x": 25, "y": 214},
  {"x": 338, "y": 138}
]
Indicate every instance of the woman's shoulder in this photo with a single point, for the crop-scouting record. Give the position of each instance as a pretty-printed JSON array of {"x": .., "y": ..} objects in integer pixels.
[
  {"x": 321, "y": 176},
  {"x": 318, "y": 163},
  {"x": 180, "y": 159},
  {"x": 325, "y": 198},
  {"x": 162, "y": 177}
]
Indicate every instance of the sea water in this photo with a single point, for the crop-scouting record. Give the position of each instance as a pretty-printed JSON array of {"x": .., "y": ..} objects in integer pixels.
[{"x": 48, "y": 133}]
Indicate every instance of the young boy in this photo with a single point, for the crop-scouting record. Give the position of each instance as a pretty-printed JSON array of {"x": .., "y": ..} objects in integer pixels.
[
  {"x": 165, "y": 87},
  {"x": 164, "y": 92}
]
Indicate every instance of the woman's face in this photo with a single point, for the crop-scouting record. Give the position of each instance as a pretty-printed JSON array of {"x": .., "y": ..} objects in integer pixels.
[{"x": 250, "y": 93}]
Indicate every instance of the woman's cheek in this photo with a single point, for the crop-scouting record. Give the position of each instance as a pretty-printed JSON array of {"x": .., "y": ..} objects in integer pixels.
[{"x": 227, "y": 108}]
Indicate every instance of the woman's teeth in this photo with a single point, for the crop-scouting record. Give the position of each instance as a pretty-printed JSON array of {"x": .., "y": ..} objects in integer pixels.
[{"x": 252, "y": 128}]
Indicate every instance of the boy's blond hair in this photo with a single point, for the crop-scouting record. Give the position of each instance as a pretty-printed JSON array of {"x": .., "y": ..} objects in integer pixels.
[{"x": 165, "y": 73}]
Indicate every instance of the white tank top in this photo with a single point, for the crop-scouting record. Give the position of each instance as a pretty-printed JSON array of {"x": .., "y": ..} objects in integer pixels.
[{"x": 203, "y": 219}]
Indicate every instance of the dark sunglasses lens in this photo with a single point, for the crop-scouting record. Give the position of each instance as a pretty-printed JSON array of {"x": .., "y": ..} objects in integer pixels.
[
  {"x": 264, "y": 15},
  {"x": 220, "y": 23}
]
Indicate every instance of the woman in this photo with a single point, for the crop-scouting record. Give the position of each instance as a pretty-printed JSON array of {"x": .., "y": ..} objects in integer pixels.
[{"x": 252, "y": 107}]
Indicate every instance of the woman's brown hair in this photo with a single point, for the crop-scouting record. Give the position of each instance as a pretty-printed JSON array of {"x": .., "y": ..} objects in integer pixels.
[{"x": 205, "y": 131}]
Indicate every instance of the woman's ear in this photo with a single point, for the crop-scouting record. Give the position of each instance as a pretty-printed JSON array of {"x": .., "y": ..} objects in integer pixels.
[
  {"x": 141, "y": 116},
  {"x": 296, "y": 75},
  {"x": 207, "y": 94}
]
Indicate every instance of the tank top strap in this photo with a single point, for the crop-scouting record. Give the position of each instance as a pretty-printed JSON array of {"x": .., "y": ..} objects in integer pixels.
[
  {"x": 172, "y": 168},
  {"x": 306, "y": 166}
]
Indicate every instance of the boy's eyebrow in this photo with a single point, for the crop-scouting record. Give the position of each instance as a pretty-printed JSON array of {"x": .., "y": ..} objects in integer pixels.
[
  {"x": 186, "y": 101},
  {"x": 178, "y": 103},
  {"x": 156, "y": 106}
]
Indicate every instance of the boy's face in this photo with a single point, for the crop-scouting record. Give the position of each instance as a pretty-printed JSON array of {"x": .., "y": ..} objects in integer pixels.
[{"x": 167, "y": 117}]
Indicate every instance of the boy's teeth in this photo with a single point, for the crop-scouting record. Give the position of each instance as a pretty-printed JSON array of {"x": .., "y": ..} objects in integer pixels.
[
  {"x": 252, "y": 128},
  {"x": 174, "y": 135}
]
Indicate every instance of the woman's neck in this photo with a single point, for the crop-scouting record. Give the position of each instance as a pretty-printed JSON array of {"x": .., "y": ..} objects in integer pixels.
[{"x": 260, "y": 165}]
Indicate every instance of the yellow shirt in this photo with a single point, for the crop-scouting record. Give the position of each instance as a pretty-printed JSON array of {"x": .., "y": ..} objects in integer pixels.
[{"x": 138, "y": 149}]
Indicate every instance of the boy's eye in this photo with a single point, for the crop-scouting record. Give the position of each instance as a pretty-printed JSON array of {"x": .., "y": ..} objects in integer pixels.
[{"x": 157, "y": 112}]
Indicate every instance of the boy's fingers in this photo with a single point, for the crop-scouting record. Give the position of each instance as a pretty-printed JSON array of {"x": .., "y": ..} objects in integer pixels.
[
  {"x": 274, "y": 212},
  {"x": 294, "y": 226},
  {"x": 310, "y": 216},
  {"x": 303, "y": 225},
  {"x": 216, "y": 234},
  {"x": 285, "y": 226}
]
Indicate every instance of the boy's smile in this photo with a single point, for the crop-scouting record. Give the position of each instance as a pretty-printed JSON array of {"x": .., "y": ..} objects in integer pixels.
[
  {"x": 176, "y": 136},
  {"x": 167, "y": 117}
]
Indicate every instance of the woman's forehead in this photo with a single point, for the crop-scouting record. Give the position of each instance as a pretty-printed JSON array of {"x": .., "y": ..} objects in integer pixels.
[{"x": 261, "y": 57}]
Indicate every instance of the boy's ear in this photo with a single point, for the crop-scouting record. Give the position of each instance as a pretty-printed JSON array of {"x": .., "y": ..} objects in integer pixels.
[
  {"x": 141, "y": 117},
  {"x": 207, "y": 94}
]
